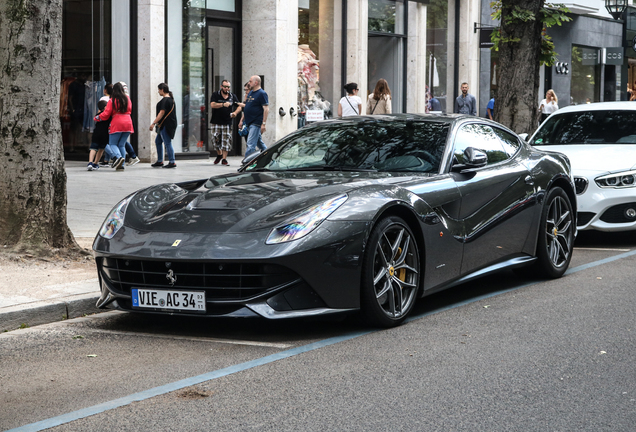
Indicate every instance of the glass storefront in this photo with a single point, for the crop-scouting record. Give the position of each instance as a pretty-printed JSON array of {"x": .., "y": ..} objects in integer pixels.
[
  {"x": 586, "y": 76},
  {"x": 86, "y": 68},
  {"x": 386, "y": 48},
  {"x": 319, "y": 60},
  {"x": 437, "y": 54}
]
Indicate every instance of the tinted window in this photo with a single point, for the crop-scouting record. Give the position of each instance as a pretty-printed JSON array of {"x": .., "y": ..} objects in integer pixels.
[
  {"x": 383, "y": 146},
  {"x": 509, "y": 141},
  {"x": 590, "y": 127},
  {"x": 481, "y": 137}
]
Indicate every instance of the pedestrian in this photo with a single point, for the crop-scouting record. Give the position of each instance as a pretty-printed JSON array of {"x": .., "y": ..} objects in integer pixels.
[
  {"x": 490, "y": 109},
  {"x": 465, "y": 102},
  {"x": 222, "y": 103},
  {"x": 351, "y": 104},
  {"x": 133, "y": 159},
  {"x": 166, "y": 122},
  {"x": 548, "y": 105},
  {"x": 380, "y": 100},
  {"x": 99, "y": 140},
  {"x": 118, "y": 109},
  {"x": 434, "y": 105},
  {"x": 255, "y": 116}
]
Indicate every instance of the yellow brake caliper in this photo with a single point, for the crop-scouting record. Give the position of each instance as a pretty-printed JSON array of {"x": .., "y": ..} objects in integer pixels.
[{"x": 401, "y": 272}]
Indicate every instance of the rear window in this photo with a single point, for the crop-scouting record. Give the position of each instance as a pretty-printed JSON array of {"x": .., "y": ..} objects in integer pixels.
[{"x": 590, "y": 127}]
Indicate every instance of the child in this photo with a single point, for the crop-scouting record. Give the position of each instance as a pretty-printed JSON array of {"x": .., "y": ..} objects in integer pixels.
[{"x": 100, "y": 139}]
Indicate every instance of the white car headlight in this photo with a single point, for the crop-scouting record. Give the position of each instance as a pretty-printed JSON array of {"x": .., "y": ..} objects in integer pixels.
[
  {"x": 115, "y": 219},
  {"x": 617, "y": 180},
  {"x": 304, "y": 222}
]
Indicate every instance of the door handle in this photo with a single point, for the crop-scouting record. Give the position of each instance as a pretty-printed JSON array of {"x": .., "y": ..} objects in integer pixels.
[{"x": 529, "y": 180}]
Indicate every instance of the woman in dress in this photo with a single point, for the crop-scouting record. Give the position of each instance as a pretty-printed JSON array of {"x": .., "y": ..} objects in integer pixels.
[
  {"x": 380, "y": 100},
  {"x": 166, "y": 122},
  {"x": 351, "y": 104},
  {"x": 118, "y": 110},
  {"x": 548, "y": 105}
]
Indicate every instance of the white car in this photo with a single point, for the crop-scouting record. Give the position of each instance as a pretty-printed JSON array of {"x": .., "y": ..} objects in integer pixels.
[{"x": 600, "y": 141}]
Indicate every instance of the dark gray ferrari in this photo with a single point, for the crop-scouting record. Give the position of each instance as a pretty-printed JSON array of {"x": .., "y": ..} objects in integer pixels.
[{"x": 361, "y": 213}]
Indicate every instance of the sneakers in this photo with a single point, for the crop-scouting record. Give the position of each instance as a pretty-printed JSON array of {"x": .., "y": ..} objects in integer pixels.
[
  {"x": 119, "y": 168},
  {"x": 119, "y": 162},
  {"x": 218, "y": 159},
  {"x": 224, "y": 162},
  {"x": 89, "y": 167},
  {"x": 112, "y": 162},
  {"x": 170, "y": 165},
  {"x": 95, "y": 167},
  {"x": 157, "y": 164},
  {"x": 133, "y": 161}
]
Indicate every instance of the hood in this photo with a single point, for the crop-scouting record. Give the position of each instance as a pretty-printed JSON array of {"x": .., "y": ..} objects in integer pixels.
[
  {"x": 597, "y": 158},
  {"x": 242, "y": 202}
]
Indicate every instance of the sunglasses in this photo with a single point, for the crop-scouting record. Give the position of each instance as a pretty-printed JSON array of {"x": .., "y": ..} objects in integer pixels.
[{"x": 225, "y": 86}]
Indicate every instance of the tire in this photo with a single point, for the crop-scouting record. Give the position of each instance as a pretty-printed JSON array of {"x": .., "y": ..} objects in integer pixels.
[
  {"x": 556, "y": 235},
  {"x": 390, "y": 273}
]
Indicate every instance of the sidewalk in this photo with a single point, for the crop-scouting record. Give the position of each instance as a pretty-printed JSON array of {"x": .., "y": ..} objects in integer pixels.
[{"x": 91, "y": 195}]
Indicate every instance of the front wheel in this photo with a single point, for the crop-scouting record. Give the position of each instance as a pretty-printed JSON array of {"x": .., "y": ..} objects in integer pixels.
[
  {"x": 556, "y": 234},
  {"x": 390, "y": 273}
]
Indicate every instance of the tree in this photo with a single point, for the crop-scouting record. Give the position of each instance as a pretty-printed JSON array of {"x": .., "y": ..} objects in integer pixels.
[
  {"x": 32, "y": 176},
  {"x": 523, "y": 44}
]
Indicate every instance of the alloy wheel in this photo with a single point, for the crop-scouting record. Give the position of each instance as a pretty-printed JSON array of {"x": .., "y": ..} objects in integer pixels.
[{"x": 558, "y": 232}]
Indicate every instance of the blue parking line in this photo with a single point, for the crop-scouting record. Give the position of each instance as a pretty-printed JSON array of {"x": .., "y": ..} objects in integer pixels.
[{"x": 178, "y": 385}]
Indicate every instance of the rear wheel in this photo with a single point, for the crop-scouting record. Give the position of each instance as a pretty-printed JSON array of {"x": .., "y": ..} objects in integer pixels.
[
  {"x": 391, "y": 273},
  {"x": 556, "y": 234}
]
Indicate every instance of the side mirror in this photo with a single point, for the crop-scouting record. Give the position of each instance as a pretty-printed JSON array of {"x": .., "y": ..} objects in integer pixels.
[
  {"x": 475, "y": 158},
  {"x": 524, "y": 136}
]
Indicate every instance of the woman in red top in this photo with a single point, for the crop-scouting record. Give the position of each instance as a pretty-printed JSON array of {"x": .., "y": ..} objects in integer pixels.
[{"x": 119, "y": 108}]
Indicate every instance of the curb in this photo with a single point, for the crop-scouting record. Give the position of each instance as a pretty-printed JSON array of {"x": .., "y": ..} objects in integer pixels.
[{"x": 48, "y": 311}]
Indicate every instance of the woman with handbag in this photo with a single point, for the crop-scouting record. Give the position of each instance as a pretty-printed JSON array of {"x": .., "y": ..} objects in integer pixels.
[
  {"x": 166, "y": 122},
  {"x": 380, "y": 100},
  {"x": 351, "y": 104}
]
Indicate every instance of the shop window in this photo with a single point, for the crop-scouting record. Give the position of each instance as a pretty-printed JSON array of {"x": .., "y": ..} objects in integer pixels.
[
  {"x": 319, "y": 59},
  {"x": 586, "y": 76},
  {"x": 86, "y": 68},
  {"x": 386, "y": 48},
  {"x": 437, "y": 56},
  {"x": 186, "y": 71}
]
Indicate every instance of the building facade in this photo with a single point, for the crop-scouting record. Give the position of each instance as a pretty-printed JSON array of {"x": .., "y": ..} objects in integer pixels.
[{"x": 304, "y": 51}]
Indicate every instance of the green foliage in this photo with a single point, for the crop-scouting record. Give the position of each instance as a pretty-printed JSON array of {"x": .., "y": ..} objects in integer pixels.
[{"x": 552, "y": 14}]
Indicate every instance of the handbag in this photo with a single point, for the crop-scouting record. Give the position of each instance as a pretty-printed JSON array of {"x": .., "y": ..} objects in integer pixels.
[
  {"x": 158, "y": 127},
  {"x": 243, "y": 131}
]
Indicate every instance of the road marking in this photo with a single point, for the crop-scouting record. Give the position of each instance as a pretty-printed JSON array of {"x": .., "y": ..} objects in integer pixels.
[
  {"x": 196, "y": 339},
  {"x": 178, "y": 385},
  {"x": 602, "y": 249}
]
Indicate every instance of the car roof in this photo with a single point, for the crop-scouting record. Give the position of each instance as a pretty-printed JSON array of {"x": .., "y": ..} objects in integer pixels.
[{"x": 598, "y": 106}]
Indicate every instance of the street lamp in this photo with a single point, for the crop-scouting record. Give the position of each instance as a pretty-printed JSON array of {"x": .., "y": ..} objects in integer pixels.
[{"x": 616, "y": 7}]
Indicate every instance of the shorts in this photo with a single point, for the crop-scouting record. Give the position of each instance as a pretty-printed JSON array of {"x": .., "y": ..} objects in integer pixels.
[
  {"x": 98, "y": 146},
  {"x": 221, "y": 137}
]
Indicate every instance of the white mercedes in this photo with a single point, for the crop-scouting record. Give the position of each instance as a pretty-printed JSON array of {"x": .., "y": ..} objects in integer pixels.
[{"x": 600, "y": 141}]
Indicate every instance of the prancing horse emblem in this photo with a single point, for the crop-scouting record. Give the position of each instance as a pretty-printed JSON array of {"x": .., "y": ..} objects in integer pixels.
[{"x": 172, "y": 278}]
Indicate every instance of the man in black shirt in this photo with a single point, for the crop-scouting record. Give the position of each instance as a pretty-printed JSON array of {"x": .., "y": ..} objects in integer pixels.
[{"x": 222, "y": 103}]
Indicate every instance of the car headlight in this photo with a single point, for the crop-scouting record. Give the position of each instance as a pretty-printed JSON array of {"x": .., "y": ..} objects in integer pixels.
[
  {"x": 304, "y": 222},
  {"x": 115, "y": 219},
  {"x": 617, "y": 180}
]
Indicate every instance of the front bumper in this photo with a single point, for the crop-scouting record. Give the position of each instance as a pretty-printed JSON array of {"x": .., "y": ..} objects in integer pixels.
[
  {"x": 316, "y": 275},
  {"x": 604, "y": 209}
]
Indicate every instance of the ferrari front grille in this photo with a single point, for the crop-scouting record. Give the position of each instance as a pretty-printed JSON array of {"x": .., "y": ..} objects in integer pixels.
[{"x": 221, "y": 281}]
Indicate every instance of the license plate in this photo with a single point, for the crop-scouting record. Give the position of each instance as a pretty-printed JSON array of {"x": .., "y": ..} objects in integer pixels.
[{"x": 190, "y": 301}]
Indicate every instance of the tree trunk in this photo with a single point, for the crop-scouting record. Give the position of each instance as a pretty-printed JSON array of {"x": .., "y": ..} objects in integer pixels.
[
  {"x": 518, "y": 72},
  {"x": 32, "y": 176}
]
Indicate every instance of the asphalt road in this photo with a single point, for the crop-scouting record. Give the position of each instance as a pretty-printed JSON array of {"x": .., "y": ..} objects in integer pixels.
[{"x": 498, "y": 354}]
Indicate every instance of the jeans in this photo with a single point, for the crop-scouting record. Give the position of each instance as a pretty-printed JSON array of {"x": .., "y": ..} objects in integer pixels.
[
  {"x": 254, "y": 140},
  {"x": 130, "y": 150},
  {"x": 164, "y": 138},
  {"x": 117, "y": 143}
]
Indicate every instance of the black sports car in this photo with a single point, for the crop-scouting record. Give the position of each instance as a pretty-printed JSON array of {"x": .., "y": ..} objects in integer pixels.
[{"x": 362, "y": 213}]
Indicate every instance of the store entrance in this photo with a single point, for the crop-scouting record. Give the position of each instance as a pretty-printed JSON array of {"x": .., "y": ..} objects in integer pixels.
[{"x": 222, "y": 63}]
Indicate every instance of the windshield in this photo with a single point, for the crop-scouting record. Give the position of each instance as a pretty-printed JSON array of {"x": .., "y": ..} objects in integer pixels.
[
  {"x": 590, "y": 127},
  {"x": 366, "y": 146}
]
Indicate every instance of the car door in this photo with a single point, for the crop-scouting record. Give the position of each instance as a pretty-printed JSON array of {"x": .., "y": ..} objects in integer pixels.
[{"x": 495, "y": 198}]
